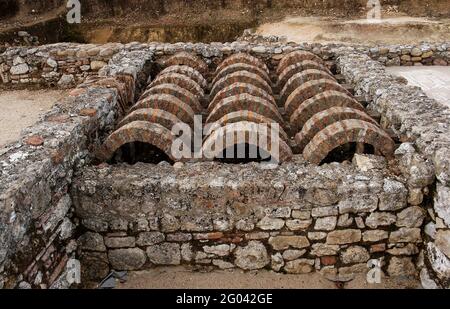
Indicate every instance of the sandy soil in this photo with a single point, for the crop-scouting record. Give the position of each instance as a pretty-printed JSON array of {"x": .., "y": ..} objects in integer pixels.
[
  {"x": 183, "y": 278},
  {"x": 22, "y": 108},
  {"x": 393, "y": 30},
  {"x": 435, "y": 81}
]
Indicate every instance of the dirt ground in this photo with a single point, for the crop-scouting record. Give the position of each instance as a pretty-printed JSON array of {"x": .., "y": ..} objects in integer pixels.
[
  {"x": 184, "y": 278},
  {"x": 389, "y": 30},
  {"x": 22, "y": 108},
  {"x": 434, "y": 81}
]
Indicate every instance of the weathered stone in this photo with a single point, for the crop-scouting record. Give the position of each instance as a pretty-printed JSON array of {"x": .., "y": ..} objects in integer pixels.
[
  {"x": 169, "y": 223},
  {"x": 440, "y": 263},
  {"x": 376, "y": 235},
  {"x": 376, "y": 219},
  {"x": 52, "y": 63},
  {"x": 394, "y": 196},
  {"x": 404, "y": 234},
  {"x": 19, "y": 69},
  {"x": 186, "y": 252},
  {"x": 367, "y": 162},
  {"x": 118, "y": 224},
  {"x": 97, "y": 65},
  {"x": 442, "y": 203},
  {"x": 252, "y": 256},
  {"x": 360, "y": 222},
  {"x": 411, "y": 217},
  {"x": 286, "y": 242},
  {"x": 201, "y": 223},
  {"x": 317, "y": 235},
  {"x": 95, "y": 225},
  {"x": 120, "y": 242},
  {"x": 321, "y": 196},
  {"x": 290, "y": 255},
  {"x": 355, "y": 254},
  {"x": 219, "y": 250},
  {"x": 401, "y": 267},
  {"x": 409, "y": 249},
  {"x": 324, "y": 249},
  {"x": 164, "y": 254},
  {"x": 66, "y": 81},
  {"x": 324, "y": 211},
  {"x": 245, "y": 225},
  {"x": 416, "y": 52},
  {"x": 351, "y": 271},
  {"x": 149, "y": 238},
  {"x": 296, "y": 225},
  {"x": 345, "y": 220},
  {"x": 179, "y": 237},
  {"x": 268, "y": 223},
  {"x": 127, "y": 259},
  {"x": 301, "y": 214},
  {"x": 443, "y": 241},
  {"x": 343, "y": 237},
  {"x": 281, "y": 212},
  {"x": 426, "y": 281},
  {"x": 358, "y": 204},
  {"x": 223, "y": 264},
  {"x": 257, "y": 235},
  {"x": 92, "y": 242},
  {"x": 326, "y": 224},
  {"x": 300, "y": 266},
  {"x": 277, "y": 261},
  {"x": 95, "y": 266},
  {"x": 222, "y": 225},
  {"x": 415, "y": 197}
]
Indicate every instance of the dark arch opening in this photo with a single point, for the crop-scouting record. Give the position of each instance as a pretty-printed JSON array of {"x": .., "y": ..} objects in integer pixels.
[
  {"x": 346, "y": 152},
  {"x": 244, "y": 153},
  {"x": 135, "y": 152}
]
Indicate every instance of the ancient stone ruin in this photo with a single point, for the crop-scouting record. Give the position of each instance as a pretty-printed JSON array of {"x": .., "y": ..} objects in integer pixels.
[{"x": 361, "y": 174}]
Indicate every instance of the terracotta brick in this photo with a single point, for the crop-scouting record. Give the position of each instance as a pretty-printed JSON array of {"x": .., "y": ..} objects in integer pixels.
[
  {"x": 189, "y": 72},
  {"x": 240, "y": 77},
  {"x": 34, "y": 140},
  {"x": 181, "y": 80},
  {"x": 295, "y": 57},
  {"x": 184, "y": 58},
  {"x": 159, "y": 116},
  {"x": 299, "y": 67},
  {"x": 242, "y": 67},
  {"x": 242, "y": 58},
  {"x": 328, "y": 260}
]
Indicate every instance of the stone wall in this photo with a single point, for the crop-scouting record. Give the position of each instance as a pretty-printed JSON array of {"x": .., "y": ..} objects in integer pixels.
[
  {"x": 423, "y": 125},
  {"x": 64, "y": 65},
  {"x": 36, "y": 222},
  {"x": 296, "y": 218}
]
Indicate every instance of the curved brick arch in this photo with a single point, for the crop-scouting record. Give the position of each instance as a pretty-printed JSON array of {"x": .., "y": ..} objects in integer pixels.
[
  {"x": 184, "y": 58},
  {"x": 228, "y": 134},
  {"x": 168, "y": 103},
  {"x": 175, "y": 90},
  {"x": 347, "y": 131},
  {"x": 299, "y": 79},
  {"x": 295, "y": 57},
  {"x": 242, "y": 58},
  {"x": 246, "y": 115},
  {"x": 242, "y": 67},
  {"x": 319, "y": 103},
  {"x": 153, "y": 115},
  {"x": 180, "y": 80},
  {"x": 189, "y": 72},
  {"x": 239, "y": 88},
  {"x": 240, "y": 77},
  {"x": 245, "y": 102},
  {"x": 298, "y": 68},
  {"x": 308, "y": 90},
  {"x": 321, "y": 120},
  {"x": 138, "y": 131}
]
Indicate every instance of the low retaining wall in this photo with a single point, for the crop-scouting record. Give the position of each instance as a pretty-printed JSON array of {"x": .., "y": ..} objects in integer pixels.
[
  {"x": 296, "y": 218},
  {"x": 423, "y": 125},
  {"x": 64, "y": 65}
]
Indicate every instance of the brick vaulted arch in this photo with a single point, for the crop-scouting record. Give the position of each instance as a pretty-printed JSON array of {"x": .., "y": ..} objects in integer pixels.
[
  {"x": 180, "y": 80},
  {"x": 184, "y": 58},
  {"x": 245, "y": 102},
  {"x": 319, "y": 103},
  {"x": 242, "y": 58},
  {"x": 308, "y": 90},
  {"x": 222, "y": 137},
  {"x": 240, "y": 77},
  {"x": 295, "y": 57},
  {"x": 246, "y": 115},
  {"x": 347, "y": 131},
  {"x": 291, "y": 70},
  {"x": 242, "y": 67},
  {"x": 189, "y": 72},
  {"x": 153, "y": 115},
  {"x": 325, "y": 118},
  {"x": 176, "y": 91},
  {"x": 239, "y": 88},
  {"x": 138, "y": 131},
  {"x": 299, "y": 79},
  {"x": 169, "y": 104}
]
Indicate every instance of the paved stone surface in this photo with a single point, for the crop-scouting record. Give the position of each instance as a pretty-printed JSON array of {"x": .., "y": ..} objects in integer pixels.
[{"x": 434, "y": 81}]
